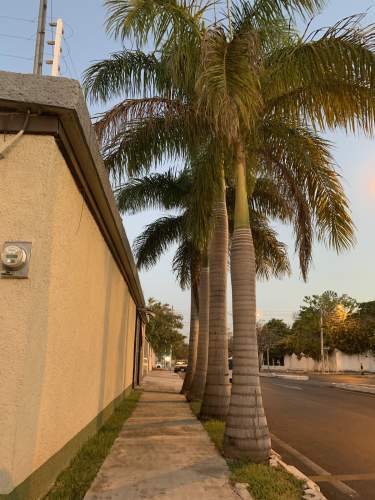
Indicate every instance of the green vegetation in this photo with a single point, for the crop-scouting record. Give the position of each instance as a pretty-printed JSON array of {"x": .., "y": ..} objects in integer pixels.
[
  {"x": 74, "y": 481},
  {"x": 348, "y": 326},
  {"x": 163, "y": 329},
  {"x": 264, "y": 482}
]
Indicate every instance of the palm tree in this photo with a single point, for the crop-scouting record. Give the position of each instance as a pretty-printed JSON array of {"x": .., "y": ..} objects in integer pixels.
[
  {"x": 216, "y": 391},
  {"x": 169, "y": 191},
  {"x": 246, "y": 433},
  {"x": 245, "y": 83},
  {"x": 199, "y": 378},
  {"x": 186, "y": 265}
]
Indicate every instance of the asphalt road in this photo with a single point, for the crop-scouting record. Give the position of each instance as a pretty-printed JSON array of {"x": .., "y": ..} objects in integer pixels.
[{"x": 326, "y": 432}]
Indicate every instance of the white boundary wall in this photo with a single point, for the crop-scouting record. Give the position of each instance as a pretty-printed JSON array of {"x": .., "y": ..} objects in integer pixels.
[{"x": 337, "y": 362}]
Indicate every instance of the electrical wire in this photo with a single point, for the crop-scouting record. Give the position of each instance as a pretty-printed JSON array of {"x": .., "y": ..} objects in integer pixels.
[
  {"x": 17, "y": 57},
  {"x": 70, "y": 58},
  {"x": 18, "y": 37},
  {"x": 67, "y": 67},
  {"x": 11, "y": 18}
]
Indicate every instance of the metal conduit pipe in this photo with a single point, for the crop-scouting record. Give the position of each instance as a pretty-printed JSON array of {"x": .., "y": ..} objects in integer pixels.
[{"x": 4, "y": 149}]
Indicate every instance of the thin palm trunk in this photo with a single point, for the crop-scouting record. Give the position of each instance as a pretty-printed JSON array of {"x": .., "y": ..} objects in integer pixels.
[
  {"x": 217, "y": 391},
  {"x": 246, "y": 431},
  {"x": 193, "y": 342},
  {"x": 199, "y": 379}
]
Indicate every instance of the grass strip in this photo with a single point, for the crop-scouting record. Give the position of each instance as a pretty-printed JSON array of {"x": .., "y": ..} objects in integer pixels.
[
  {"x": 263, "y": 482},
  {"x": 75, "y": 480}
]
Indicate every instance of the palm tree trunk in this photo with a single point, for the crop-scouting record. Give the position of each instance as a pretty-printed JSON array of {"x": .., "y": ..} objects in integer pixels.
[
  {"x": 193, "y": 342},
  {"x": 246, "y": 431},
  {"x": 217, "y": 391},
  {"x": 199, "y": 379}
]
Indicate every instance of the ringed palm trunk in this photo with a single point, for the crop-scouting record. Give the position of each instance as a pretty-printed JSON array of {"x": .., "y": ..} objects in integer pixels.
[
  {"x": 199, "y": 378},
  {"x": 217, "y": 391},
  {"x": 193, "y": 342},
  {"x": 246, "y": 430}
]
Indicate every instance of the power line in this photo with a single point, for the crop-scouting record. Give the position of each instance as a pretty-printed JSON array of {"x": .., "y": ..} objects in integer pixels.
[
  {"x": 11, "y": 18},
  {"x": 71, "y": 59},
  {"x": 67, "y": 67},
  {"x": 17, "y": 57},
  {"x": 18, "y": 37}
]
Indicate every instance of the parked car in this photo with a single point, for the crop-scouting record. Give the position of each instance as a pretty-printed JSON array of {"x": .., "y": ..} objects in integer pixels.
[
  {"x": 180, "y": 366},
  {"x": 230, "y": 366},
  {"x": 158, "y": 365}
]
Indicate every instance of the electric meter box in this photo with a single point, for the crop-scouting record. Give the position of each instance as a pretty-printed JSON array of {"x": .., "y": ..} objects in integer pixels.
[{"x": 15, "y": 259}]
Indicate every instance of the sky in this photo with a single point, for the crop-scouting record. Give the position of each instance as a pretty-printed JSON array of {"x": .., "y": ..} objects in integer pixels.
[{"x": 353, "y": 272}]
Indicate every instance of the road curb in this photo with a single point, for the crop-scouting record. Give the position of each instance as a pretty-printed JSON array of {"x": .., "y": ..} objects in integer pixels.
[
  {"x": 357, "y": 388},
  {"x": 241, "y": 490},
  {"x": 285, "y": 376},
  {"x": 311, "y": 490}
]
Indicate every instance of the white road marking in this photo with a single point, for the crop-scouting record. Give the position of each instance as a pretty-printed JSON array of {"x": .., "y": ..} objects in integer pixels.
[
  {"x": 339, "y": 485},
  {"x": 290, "y": 386}
]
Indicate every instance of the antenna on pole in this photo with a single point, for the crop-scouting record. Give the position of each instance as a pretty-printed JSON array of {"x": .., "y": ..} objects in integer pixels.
[
  {"x": 57, "y": 47},
  {"x": 39, "y": 44}
]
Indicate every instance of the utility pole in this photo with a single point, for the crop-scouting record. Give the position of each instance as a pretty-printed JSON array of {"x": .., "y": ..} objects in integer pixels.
[
  {"x": 322, "y": 339},
  {"x": 57, "y": 47},
  {"x": 39, "y": 44},
  {"x": 229, "y": 9}
]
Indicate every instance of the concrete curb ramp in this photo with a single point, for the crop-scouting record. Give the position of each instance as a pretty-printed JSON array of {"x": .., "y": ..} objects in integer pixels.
[
  {"x": 357, "y": 388},
  {"x": 287, "y": 376}
]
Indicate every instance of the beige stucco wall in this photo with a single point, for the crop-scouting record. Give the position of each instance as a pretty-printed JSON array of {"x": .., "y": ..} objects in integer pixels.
[{"x": 67, "y": 332}]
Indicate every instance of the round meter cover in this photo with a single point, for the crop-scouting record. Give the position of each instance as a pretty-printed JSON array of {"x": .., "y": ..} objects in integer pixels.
[{"x": 13, "y": 257}]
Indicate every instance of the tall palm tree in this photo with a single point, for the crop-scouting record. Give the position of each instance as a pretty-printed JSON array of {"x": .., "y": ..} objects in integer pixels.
[
  {"x": 183, "y": 254},
  {"x": 170, "y": 191},
  {"x": 243, "y": 82},
  {"x": 167, "y": 192},
  {"x": 199, "y": 378},
  {"x": 217, "y": 388}
]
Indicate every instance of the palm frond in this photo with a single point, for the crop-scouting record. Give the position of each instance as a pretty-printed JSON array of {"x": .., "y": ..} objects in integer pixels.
[
  {"x": 185, "y": 262},
  {"x": 302, "y": 218},
  {"x": 164, "y": 191},
  {"x": 271, "y": 17},
  {"x": 133, "y": 111},
  {"x": 228, "y": 85},
  {"x": 307, "y": 157},
  {"x": 143, "y": 145},
  {"x": 268, "y": 200},
  {"x": 271, "y": 256},
  {"x": 326, "y": 81},
  {"x": 138, "y": 19},
  {"x": 158, "y": 236},
  {"x": 128, "y": 73}
]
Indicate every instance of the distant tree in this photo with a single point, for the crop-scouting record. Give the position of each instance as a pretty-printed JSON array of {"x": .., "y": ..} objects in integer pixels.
[
  {"x": 163, "y": 328},
  {"x": 332, "y": 305},
  {"x": 272, "y": 336},
  {"x": 348, "y": 326},
  {"x": 181, "y": 350}
]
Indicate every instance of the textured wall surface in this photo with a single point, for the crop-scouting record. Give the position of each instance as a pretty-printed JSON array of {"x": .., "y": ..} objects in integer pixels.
[
  {"x": 337, "y": 361},
  {"x": 67, "y": 332}
]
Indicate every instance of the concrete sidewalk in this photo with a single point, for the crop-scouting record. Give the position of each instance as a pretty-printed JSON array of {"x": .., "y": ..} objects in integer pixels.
[{"x": 162, "y": 452}]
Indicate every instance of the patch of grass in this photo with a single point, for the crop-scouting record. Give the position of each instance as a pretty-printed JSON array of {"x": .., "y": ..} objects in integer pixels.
[
  {"x": 263, "y": 482},
  {"x": 215, "y": 429},
  {"x": 195, "y": 407},
  {"x": 74, "y": 481}
]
